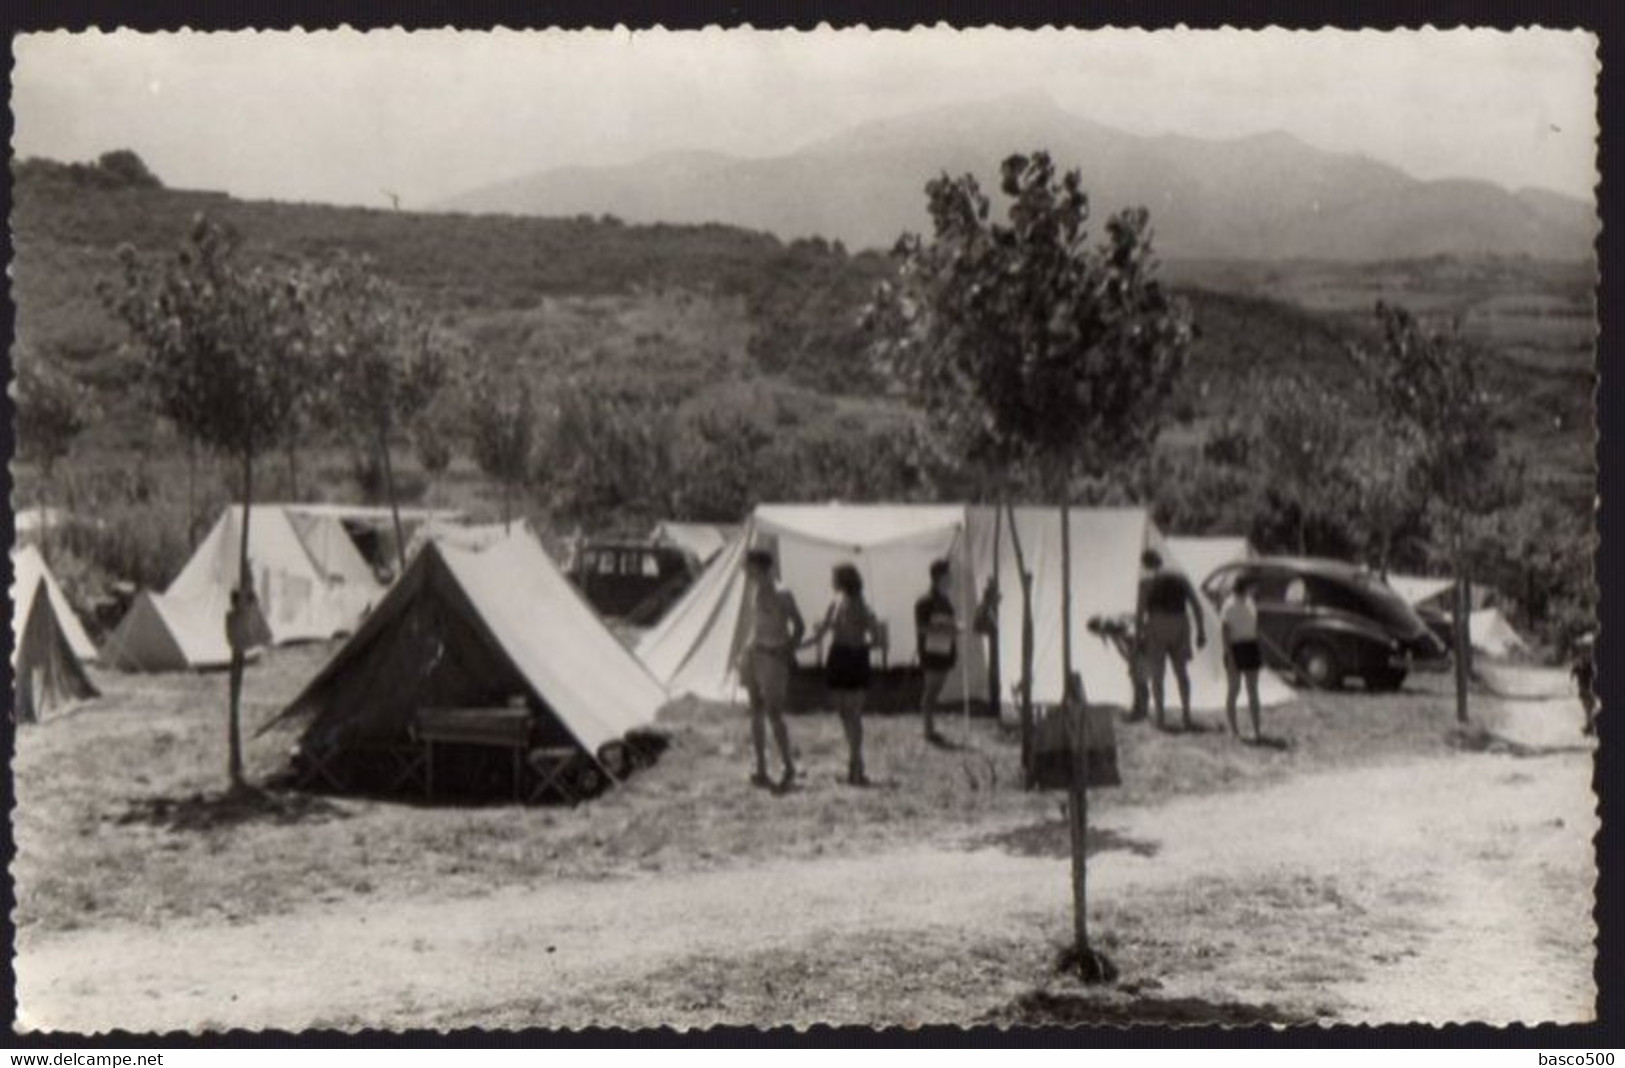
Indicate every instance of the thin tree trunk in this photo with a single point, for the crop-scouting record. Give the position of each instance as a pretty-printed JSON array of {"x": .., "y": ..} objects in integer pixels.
[
  {"x": 245, "y": 586},
  {"x": 293, "y": 468},
  {"x": 1462, "y": 637},
  {"x": 44, "y": 499},
  {"x": 394, "y": 503},
  {"x": 995, "y": 682},
  {"x": 1025, "y": 708},
  {"x": 191, "y": 494}
]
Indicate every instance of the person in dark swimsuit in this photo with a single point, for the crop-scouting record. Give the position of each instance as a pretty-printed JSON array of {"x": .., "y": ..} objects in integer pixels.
[
  {"x": 936, "y": 630},
  {"x": 853, "y": 629}
]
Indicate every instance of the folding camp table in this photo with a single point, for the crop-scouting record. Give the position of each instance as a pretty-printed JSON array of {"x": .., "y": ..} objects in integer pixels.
[{"x": 497, "y": 728}]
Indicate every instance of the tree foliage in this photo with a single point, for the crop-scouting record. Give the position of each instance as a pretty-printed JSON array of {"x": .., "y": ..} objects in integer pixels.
[
  {"x": 1025, "y": 343},
  {"x": 1428, "y": 383},
  {"x": 52, "y": 410},
  {"x": 502, "y": 413},
  {"x": 1305, "y": 434},
  {"x": 223, "y": 345},
  {"x": 382, "y": 360}
]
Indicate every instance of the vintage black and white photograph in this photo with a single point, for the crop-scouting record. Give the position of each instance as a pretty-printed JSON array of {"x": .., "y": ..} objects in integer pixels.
[{"x": 539, "y": 529}]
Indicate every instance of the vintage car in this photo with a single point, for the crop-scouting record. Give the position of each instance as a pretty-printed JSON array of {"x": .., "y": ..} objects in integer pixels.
[{"x": 1326, "y": 621}]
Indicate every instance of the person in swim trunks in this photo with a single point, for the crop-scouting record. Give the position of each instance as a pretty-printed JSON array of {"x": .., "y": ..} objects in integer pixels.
[
  {"x": 773, "y": 629},
  {"x": 1167, "y": 602},
  {"x": 853, "y": 628},
  {"x": 1242, "y": 654}
]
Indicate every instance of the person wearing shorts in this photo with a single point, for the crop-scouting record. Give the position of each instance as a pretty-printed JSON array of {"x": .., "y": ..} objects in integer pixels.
[
  {"x": 1238, "y": 619},
  {"x": 1167, "y": 601},
  {"x": 773, "y": 629},
  {"x": 853, "y": 630}
]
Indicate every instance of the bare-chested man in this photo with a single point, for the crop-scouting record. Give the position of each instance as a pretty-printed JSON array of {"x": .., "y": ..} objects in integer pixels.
[{"x": 773, "y": 629}]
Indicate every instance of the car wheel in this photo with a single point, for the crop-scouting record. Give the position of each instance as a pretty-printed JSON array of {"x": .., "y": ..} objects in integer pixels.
[
  {"x": 1385, "y": 681},
  {"x": 1317, "y": 665}
]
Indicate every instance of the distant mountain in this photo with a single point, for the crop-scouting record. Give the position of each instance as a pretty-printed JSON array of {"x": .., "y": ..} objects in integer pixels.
[{"x": 1263, "y": 197}]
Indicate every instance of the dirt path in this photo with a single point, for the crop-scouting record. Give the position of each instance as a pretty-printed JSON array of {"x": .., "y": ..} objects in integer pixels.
[{"x": 1472, "y": 841}]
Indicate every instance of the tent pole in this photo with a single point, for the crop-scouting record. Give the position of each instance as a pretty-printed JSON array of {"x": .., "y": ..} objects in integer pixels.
[
  {"x": 1026, "y": 683},
  {"x": 995, "y": 683}
]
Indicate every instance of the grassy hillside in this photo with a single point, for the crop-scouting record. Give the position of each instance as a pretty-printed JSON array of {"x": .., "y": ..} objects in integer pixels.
[{"x": 703, "y": 320}]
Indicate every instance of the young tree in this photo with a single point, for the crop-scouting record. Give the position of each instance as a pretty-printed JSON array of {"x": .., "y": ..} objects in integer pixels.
[
  {"x": 433, "y": 437},
  {"x": 51, "y": 410},
  {"x": 224, "y": 351},
  {"x": 382, "y": 362},
  {"x": 1428, "y": 382},
  {"x": 1030, "y": 346},
  {"x": 1381, "y": 469},
  {"x": 502, "y": 427}
]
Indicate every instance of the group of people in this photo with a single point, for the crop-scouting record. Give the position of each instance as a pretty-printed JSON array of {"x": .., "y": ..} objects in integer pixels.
[
  {"x": 775, "y": 631},
  {"x": 1168, "y": 614},
  {"x": 1167, "y": 611}
]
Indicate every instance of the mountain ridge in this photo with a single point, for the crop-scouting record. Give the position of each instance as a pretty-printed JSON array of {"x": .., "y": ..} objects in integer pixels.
[{"x": 1268, "y": 196}]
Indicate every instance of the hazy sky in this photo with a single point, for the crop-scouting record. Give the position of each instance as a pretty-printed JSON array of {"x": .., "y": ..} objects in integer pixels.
[{"x": 341, "y": 116}]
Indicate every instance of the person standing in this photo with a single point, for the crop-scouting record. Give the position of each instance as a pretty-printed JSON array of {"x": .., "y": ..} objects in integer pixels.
[
  {"x": 853, "y": 628},
  {"x": 1584, "y": 675},
  {"x": 1167, "y": 600},
  {"x": 1238, "y": 621},
  {"x": 936, "y": 631},
  {"x": 773, "y": 629}
]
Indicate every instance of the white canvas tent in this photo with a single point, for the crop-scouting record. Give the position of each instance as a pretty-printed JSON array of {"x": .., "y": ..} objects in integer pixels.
[
  {"x": 1416, "y": 589},
  {"x": 311, "y": 580},
  {"x": 30, "y": 570},
  {"x": 1199, "y": 557},
  {"x": 704, "y": 540},
  {"x": 1492, "y": 635},
  {"x": 690, "y": 650},
  {"x": 46, "y": 641},
  {"x": 477, "y": 625}
]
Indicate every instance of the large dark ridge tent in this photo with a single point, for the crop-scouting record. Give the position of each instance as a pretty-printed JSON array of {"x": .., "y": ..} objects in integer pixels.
[
  {"x": 479, "y": 625},
  {"x": 45, "y": 658}
]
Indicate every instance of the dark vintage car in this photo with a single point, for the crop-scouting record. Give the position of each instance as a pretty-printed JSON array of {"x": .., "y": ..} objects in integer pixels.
[
  {"x": 1326, "y": 621},
  {"x": 633, "y": 581}
]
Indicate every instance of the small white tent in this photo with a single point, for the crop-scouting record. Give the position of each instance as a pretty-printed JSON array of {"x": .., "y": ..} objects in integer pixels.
[
  {"x": 1200, "y": 557},
  {"x": 892, "y": 546},
  {"x": 1416, "y": 589},
  {"x": 30, "y": 568},
  {"x": 311, "y": 580}
]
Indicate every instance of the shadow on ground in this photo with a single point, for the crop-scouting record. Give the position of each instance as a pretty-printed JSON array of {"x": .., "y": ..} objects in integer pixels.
[
  {"x": 1053, "y": 838},
  {"x": 1475, "y": 739},
  {"x": 207, "y": 812},
  {"x": 1041, "y": 1007}
]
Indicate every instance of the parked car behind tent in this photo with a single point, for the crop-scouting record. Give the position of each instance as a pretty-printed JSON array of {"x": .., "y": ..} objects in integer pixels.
[
  {"x": 45, "y": 659},
  {"x": 1329, "y": 621},
  {"x": 892, "y": 546},
  {"x": 491, "y": 627}
]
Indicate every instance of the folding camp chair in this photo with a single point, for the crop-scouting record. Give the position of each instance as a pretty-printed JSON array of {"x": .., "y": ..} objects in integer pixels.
[{"x": 553, "y": 770}]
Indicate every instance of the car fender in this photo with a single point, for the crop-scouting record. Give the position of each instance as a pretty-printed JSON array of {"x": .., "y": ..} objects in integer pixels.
[{"x": 1345, "y": 634}]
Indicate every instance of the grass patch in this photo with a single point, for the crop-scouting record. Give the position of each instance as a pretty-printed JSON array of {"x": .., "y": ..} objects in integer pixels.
[{"x": 119, "y": 816}]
